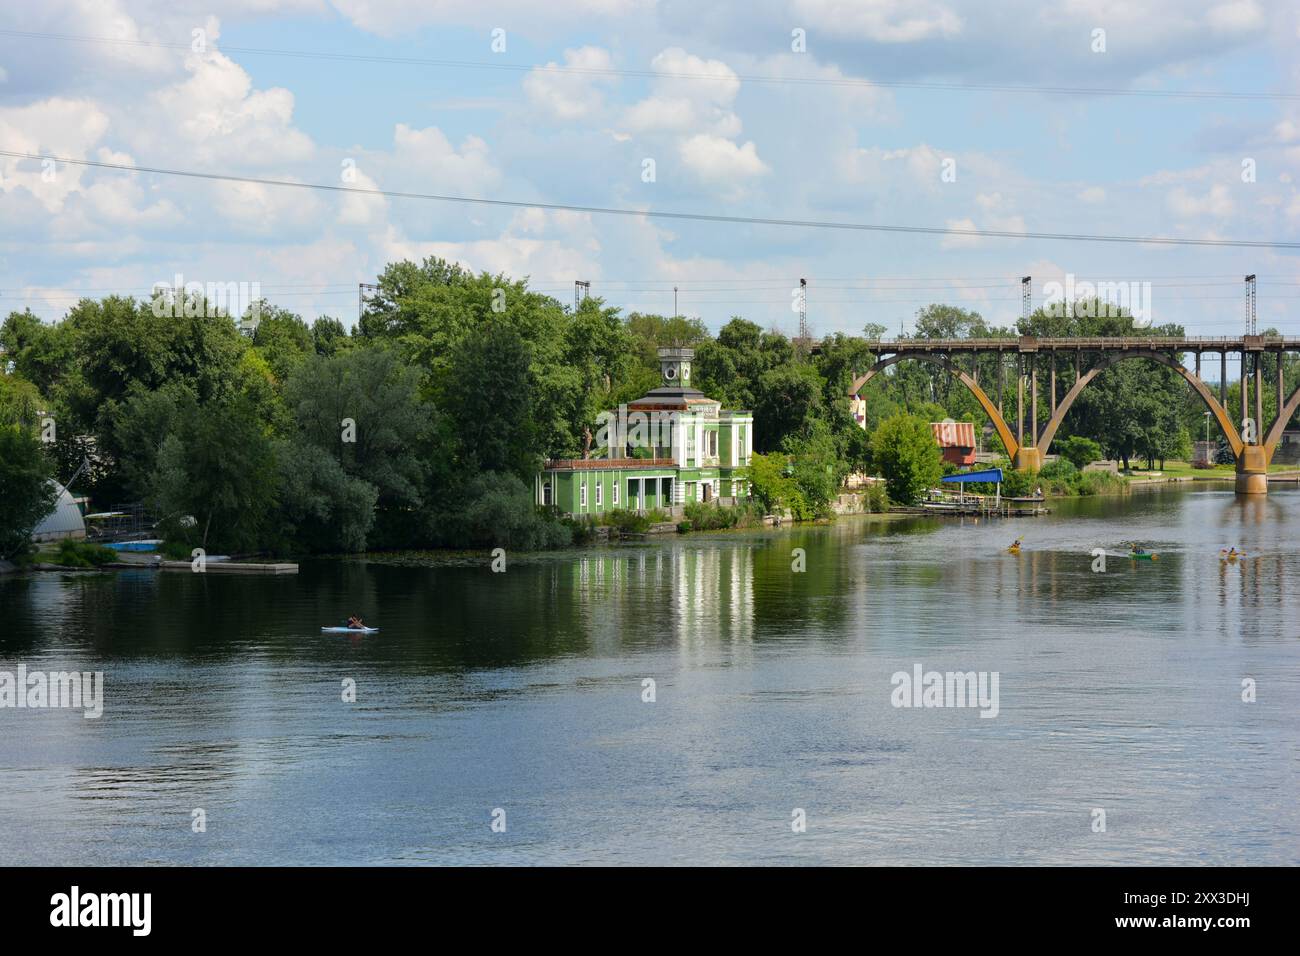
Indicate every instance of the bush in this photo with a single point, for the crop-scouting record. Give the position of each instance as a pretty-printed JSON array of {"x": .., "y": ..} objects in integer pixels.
[
  {"x": 497, "y": 511},
  {"x": 176, "y": 549},
  {"x": 82, "y": 554},
  {"x": 1062, "y": 469},
  {"x": 627, "y": 522},
  {"x": 875, "y": 499},
  {"x": 1101, "y": 483},
  {"x": 1079, "y": 451},
  {"x": 582, "y": 529},
  {"x": 683, "y": 527},
  {"x": 708, "y": 517}
]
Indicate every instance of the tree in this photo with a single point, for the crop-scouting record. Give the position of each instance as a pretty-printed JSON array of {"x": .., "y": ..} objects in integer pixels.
[
  {"x": 904, "y": 449},
  {"x": 363, "y": 409},
  {"x": 490, "y": 400},
  {"x": 816, "y": 468},
  {"x": 26, "y": 493},
  {"x": 328, "y": 336},
  {"x": 323, "y": 507},
  {"x": 787, "y": 402},
  {"x": 283, "y": 339},
  {"x": 217, "y": 466},
  {"x": 596, "y": 356},
  {"x": 774, "y": 488},
  {"x": 1077, "y": 450}
]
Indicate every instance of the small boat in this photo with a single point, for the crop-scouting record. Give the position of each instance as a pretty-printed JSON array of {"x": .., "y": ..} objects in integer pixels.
[
  {"x": 1144, "y": 556},
  {"x": 1014, "y": 549},
  {"x": 1231, "y": 555},
  {"x": 348, "y": 630}
]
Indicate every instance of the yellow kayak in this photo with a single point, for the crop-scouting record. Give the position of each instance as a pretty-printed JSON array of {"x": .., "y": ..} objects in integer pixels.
[{"x": 1014, "y": 549}]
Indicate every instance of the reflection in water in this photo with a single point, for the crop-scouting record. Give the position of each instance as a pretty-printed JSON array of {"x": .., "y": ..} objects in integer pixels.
[{"x": 1118, "y": 689}]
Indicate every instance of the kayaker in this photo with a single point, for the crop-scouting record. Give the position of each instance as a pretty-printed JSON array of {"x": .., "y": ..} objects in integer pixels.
[
  {"x": 1138, "y": 549},
  {"x": 1015, "y": 544},
  {"x": 355, "y": 624}
]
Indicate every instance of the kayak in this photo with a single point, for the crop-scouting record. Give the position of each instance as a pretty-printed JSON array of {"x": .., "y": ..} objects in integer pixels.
[
  {"x": 348, "y": 630},
  {"x": 1143, "y": 556},
  {"x": 1225, "y": 556},
  {"x": 1014, "y": 549}
]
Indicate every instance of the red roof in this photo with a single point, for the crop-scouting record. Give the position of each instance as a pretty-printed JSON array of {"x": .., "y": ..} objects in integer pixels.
[{"x": 954, "y": 434}]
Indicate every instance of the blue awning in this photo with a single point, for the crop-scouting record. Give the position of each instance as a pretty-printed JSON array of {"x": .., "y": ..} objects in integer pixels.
[{"x": 989, "y": 474}]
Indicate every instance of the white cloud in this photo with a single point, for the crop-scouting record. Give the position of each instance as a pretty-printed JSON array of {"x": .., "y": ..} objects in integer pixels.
[
  {"x": 53, "y": 127},
  {"x": 394, "y": 17},
  {"x": 719, "y": 160},
  {"x": 570, "y": 96},
  {"x": 441, "y": 165},
  {"x": 1239, "y": 16},
  {"x": 1216, "y": 203},
  {"x": 883, "y": 21},
  {"x": 215, "y": 117},
  {"x": 689, "y": 95}
]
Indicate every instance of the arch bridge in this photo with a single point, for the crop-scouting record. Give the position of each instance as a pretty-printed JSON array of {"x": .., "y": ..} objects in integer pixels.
[{"x": 1251, "y": 445}]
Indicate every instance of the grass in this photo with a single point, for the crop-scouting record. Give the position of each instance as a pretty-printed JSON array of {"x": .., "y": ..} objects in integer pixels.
[{"x": 1183, "y": 469}]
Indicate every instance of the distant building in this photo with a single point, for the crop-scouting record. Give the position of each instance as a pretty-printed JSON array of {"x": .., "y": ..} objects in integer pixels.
[
  {"x": 956, "y": 439},
  {"x": 858, "y": 409},
  {"x": 672, "y": 446}
]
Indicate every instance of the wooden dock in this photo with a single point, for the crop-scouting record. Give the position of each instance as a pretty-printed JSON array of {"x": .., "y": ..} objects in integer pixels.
[{"x": 229, "y": 567}]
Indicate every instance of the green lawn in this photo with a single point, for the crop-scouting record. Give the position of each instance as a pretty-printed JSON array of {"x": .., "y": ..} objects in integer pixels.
[{"x": 1181, "y": 469}]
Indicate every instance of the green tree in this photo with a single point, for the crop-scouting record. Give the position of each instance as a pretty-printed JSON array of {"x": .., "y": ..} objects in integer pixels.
[
  {"x": 788, "y": 401},
  {"x": 323, "y": 508},
  {"x": 26, "y": 493},
  {"x": 490, "y": 400},
  {"x": 904, "y": 449},
  {"x": 283, "y": 339},
  {"x": 218, "y": 467},
  {"x": 771, "y": 482},
  {"x": 1077, "y": 450}
]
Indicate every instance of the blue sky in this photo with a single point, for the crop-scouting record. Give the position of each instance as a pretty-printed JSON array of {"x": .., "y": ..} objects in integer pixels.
[{"x": 722, "y": 142}]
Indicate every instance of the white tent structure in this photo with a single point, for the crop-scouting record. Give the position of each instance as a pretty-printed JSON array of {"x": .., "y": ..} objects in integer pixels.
[{"x": 63, "y": 522}]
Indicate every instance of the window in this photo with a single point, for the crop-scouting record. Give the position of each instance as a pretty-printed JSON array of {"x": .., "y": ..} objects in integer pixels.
[
  {"x": 690, "y": 445},
  {"x": 546, "y": 493},
  {"x": 616, "y": 492},
  {"x": 582, "y": 495},
  {"x": 711, "y": 442},
  {"x": 598, "y": 490}
]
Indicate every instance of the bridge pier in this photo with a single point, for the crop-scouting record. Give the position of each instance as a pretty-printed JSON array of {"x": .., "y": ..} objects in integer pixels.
[
  {"x": 1252, "y": 471},
  {"x": 1029, "y": 459}
]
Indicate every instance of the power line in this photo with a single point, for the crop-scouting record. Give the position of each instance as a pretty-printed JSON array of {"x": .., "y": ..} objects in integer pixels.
[
  {"x": 677, "y": 216},
  {"x": 845, "y": 82}
]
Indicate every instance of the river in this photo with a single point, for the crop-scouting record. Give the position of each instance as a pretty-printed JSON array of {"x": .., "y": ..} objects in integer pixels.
[{"x": 773, "y": 737}]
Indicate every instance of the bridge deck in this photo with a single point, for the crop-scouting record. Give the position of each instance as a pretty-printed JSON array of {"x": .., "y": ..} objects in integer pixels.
[{"x": 1248, "y": 343}]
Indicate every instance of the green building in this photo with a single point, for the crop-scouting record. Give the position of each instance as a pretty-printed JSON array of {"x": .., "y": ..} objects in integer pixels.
[{"x": 672, "y": 446}]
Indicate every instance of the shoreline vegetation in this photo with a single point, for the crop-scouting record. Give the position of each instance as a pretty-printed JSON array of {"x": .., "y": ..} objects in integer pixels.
[{"x": 425, "y": 424}]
